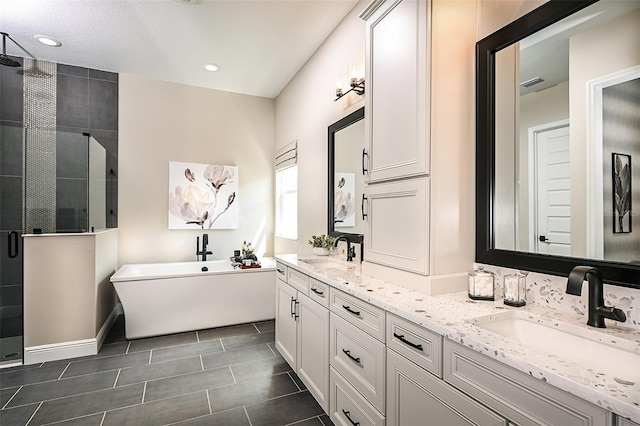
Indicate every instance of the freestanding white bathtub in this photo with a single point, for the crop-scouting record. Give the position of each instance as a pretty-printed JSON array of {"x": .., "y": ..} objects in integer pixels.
[{"x": 165, "y": 298}]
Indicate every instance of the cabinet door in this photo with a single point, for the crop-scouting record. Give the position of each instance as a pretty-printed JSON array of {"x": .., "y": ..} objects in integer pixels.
[
  {"x": 416, "y": 397},
  {"x": 286, "y": 321},
  {"x": 397, "y": 96},
  {"x": 397, "y": 224},
  {"x": 313, "y": 349}
]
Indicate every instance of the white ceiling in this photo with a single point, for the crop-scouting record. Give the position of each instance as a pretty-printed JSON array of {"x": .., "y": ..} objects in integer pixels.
[{"x": 258, "y": 44}]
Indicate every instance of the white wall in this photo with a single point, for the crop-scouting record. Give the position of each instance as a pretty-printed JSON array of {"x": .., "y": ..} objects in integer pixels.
[
  {"x": 305, "y": 109},
  {"x": 161, "y": 122},
  {"x": 606, "y": 49}
]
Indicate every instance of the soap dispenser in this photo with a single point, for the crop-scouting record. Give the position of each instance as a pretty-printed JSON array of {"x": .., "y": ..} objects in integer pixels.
[{"x": 481, "y": 284}]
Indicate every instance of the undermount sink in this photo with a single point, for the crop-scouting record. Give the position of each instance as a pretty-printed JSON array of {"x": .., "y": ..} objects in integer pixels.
[{"x": 591, "y": 349}]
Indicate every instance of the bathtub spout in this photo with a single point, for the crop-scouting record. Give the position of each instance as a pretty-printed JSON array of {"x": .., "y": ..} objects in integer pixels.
[{"x": 204, "y": 252}]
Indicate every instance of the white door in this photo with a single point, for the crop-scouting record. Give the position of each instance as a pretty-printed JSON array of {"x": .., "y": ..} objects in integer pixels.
[{"x": 553, "y": 192}]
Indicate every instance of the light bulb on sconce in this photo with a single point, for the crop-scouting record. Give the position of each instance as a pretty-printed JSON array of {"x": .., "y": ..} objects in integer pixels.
[{"x": 355, "y": 82}]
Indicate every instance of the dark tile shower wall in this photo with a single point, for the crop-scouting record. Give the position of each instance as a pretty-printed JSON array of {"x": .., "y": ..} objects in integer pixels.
[{"x": 87, "y": 103}]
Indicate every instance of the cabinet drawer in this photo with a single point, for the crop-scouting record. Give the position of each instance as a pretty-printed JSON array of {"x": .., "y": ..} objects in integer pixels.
[
  {"x": 358, "y": 312},
  {"x": 421, "y": 346},
  {"x": 298, "y": 280},
  {"x": 359, "y": 358},
  {"x": 347, "y": 407},
  {"x": 517, "y": 396},
  {"x": 281, "y": 271},
  {"x": 319, "y": 292},
  {"x": 415, "y": 397}
]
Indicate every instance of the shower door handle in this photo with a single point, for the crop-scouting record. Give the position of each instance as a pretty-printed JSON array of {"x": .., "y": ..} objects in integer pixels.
[{"x": 13, "y": 244}]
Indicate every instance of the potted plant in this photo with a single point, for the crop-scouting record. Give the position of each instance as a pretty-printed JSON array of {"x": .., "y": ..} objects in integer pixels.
[{"x": 322, "y": 244}]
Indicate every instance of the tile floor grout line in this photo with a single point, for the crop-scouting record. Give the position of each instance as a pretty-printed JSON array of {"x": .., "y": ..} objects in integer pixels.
[
  {"x": 201, "y": 362},
  {"x": 34, "y": 414},
  {"x": 104, "y": 415},
  {"x": 12, "y": 396},
  {"x": 150, "y": 355},
  {"x": 294, "y": 382},
  {"x": 117, "y": 377},
  {"x": 222, "y": 344},
  {"x": 197, "y": 337},
  {"x": 208, "y": 401},
  {"x": 246, "y": 413},
  {"x": 256, "y": 327},
  {"x": 64, "y": 371},
  {"x": 128, "y": 347},
  {"x": 272, "y": 351},
  {"x": 235, "y": 382},
  {"x": 144, "y": 392}
]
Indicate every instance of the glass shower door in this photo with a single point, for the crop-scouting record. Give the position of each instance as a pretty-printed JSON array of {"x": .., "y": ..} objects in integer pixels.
[{"x": 11, "y": 169}]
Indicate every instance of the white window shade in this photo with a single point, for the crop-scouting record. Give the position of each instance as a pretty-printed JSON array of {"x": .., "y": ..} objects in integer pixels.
[{"x": 287, "y": 156}]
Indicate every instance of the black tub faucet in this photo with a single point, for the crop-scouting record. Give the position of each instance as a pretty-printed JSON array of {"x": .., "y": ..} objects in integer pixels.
[
  {"x": 204, "y": 252},
  {"x": 597, "y": 310}
]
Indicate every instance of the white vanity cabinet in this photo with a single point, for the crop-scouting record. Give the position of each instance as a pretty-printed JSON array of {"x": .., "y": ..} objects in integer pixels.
[
  {"x": 416, "y": 395},
  {"x": 302, "y": 331},
  {"x": 515, "y": 395},
  {"x": 397, "y": 133},
  {"x": 397, "y": 73},
  {"x": 357, "y": 357}
]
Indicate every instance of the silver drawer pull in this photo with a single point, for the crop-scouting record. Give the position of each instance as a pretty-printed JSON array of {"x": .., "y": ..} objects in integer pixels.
[
  {"x": 351, "y": 357},
  {"x": 348, "y": 416},
  {"x": 406, "y": 342},
  {"x": 318, "y": 292}
]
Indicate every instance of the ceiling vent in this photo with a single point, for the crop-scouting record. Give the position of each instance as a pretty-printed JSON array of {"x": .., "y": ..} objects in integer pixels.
[{"x": 531, "y": 82}]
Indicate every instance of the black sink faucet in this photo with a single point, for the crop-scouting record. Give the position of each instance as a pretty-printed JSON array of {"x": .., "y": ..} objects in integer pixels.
[
  {"x": 351, "y": 251},
  {"x": 597, "y": 310},
  {"x": 205, "y": 242}
]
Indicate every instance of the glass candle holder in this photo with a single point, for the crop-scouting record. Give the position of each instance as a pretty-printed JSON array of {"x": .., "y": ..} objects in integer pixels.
[
  {"x": 481, "y": 284},
  {"x": 515, "y": 288}
]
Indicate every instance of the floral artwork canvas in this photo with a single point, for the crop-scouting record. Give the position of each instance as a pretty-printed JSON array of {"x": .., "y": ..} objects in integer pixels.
[
  {"x": 344, "y": 209},
  {"x": 202, "y": 196}
]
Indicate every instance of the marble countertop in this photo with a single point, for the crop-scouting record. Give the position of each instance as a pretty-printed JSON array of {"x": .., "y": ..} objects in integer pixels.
[{"x": 451, "y": 315}]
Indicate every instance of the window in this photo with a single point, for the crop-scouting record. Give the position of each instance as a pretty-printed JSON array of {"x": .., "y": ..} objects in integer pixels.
[{"x": 287, "y": 202}]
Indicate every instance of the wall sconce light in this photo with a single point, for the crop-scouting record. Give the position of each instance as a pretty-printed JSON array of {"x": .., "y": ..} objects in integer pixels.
[{"x": 356, "y": 83}]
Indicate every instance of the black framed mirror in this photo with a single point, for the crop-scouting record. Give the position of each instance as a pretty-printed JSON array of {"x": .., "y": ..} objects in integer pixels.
[
  {"x": 510, "y": 234},
  {"x": 346, "y": 177}
]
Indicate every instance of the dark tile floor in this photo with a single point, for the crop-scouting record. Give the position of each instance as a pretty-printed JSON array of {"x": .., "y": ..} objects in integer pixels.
[{"x": 223, "y": 376}]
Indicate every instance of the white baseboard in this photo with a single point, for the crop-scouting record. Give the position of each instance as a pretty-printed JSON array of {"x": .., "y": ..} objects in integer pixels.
[
  {"x": 56, "y": 351},
  {"x": 111, "y": 319},
  {"x": 73, "y": 349}
]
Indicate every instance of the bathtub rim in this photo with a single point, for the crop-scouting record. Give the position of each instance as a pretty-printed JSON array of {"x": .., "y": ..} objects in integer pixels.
[{"x": 268, "y": 264}]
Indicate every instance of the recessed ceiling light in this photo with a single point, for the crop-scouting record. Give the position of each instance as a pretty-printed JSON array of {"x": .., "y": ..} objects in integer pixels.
[
  {"x": 47, "y": 40},
  {"x": 211, "y": 67}
]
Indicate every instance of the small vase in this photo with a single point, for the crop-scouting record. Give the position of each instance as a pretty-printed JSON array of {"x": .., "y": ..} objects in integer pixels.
[{"x": 320, "y": 251}]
